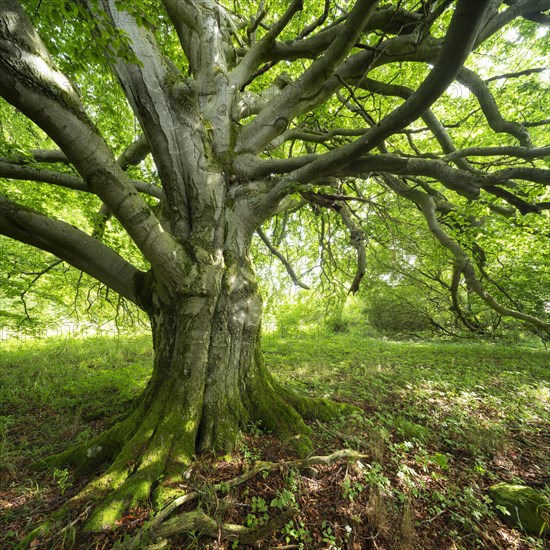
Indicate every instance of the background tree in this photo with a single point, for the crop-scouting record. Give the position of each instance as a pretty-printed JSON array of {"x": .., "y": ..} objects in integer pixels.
[{"x": 250, "y": 111}]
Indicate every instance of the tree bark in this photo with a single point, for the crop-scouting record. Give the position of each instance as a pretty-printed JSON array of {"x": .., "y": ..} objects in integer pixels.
[{"x": 208, "y": 384}]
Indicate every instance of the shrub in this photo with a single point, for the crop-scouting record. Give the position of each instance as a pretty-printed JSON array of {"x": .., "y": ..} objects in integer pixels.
[{"x": 395, "y": 316}]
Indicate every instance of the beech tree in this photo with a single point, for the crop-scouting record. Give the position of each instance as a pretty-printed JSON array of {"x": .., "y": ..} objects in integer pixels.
[{"x": 249, "y": 111}]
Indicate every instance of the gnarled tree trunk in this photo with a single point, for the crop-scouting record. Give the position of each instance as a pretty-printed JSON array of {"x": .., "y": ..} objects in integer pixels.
[{"x": 208, "y": 383}]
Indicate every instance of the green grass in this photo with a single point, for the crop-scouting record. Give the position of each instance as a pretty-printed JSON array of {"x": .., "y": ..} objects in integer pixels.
[
  {"x": 52, "y": 391},
  {"x": 441, "y": 422},
  {"x": 464, "y": 396}
]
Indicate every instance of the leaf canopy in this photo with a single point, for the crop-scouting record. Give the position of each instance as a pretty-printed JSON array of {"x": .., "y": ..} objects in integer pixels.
[{"x": 407, "y": 138}]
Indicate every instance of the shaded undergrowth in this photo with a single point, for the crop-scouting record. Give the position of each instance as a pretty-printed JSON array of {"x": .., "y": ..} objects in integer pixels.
[{"x": 440, "y": 423}]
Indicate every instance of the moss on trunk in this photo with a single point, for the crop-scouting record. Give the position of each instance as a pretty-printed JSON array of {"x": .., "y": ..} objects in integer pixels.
[{"x": 209, "y": 383}]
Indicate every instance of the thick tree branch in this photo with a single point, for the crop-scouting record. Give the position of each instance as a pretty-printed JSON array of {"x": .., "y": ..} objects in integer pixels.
[
  {"x": 431, "y": 121},
  {"x": 185, "y": 13},
  {"x": 472, "y": 326},
  {"x": 146, "y": 90},
  {"x": 38, "y": 155},
  {"x": 521, "y": 205},
  {"x": 536, "y": 175},
  {"x": 131, "y": 156},
  {"x": 387, "y": 19},
  {"x": 518, "y": 9},
  {"x": 357, "y": 239},
  {"x": 30, "y": 82},
  {"x": 28, "y": 173},
  {"x": 517, "y": 74},
  {"x": 536, "y": 123},
  {"x": 490, "y": 108},
  {"x": 203, "y": 28},
  {"x": 311, "y": 136},
  {"x": 429, "y": 209},
  {"x": 306, "y": 31},
  {"x": 518, "y": 152},
  {"x": 352, "y": 70},
  {"x": 168, "y": 109},
  {"x": 248, "y": 103},
  {"x": 254, "y": 55},
  {"x": 274, "y": 118},
  {"x": 134, "y": 153},
  {"x": 459, "y": 40},
  {"x": 73, "y": 246},
  {"x": 251, "y": 167},
  {"x": 464, "y": 182}
]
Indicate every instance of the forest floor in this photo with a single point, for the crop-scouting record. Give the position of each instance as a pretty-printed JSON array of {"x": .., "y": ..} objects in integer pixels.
[{"x": 440, "y": 423}]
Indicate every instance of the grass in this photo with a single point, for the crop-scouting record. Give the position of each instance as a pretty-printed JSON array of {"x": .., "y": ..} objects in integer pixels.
[
  {"x": 66, "y": 385},
  {"x": 461, "y": 396},
  {"x": 441, "y": 422}
]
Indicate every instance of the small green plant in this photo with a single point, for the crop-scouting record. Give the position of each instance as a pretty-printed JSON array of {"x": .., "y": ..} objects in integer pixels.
[
  {"x": 441, "y": 460},
  {"x": 293, "y": 480},
  {"x": 224, "y": 488},
  {"x": 258, "y": 515},
  {"x": 63, "y": 479},
  {"x": 84, "y": 435},
  {"x": 254, "y": 429},
  {"x": 296, "y": 531},
  {"x": 285, "y": 499},
  {"x": 480, "y": 466},
  {"x": 328, "y": 535},
  {"x": 411, "y": 430},
  {"x": 373, "y": 475},
  {"x": 351, "y": 489},
  {"x": 249, "y": 452},
  {"x": 193, "y": 540}
]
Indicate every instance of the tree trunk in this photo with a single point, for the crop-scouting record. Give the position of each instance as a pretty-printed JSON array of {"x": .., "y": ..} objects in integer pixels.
[{"x": 208, "y": 384}]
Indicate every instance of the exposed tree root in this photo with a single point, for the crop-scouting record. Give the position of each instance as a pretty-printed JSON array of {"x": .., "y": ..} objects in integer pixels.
[
  {"x": 141, "y": 451},
  {"x": 161, "y": 525},
  {"x": 282, "y": 411},
  {"x": 167, "y": 522},
  {"x": 315, "y": 408},
  {"x": 156, "y": 442},
  {"x": 87, "y": 457},
  {"x": 199, "y": 522}
]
